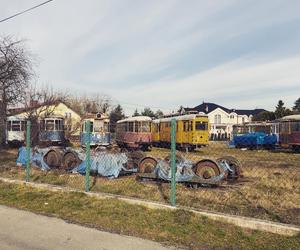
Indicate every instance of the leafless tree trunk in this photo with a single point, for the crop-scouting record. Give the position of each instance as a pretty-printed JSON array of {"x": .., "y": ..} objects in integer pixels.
[{"x": 15, "y": 73}]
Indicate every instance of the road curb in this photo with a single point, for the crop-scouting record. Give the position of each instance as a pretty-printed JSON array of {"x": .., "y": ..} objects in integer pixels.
[{"x": 244, "y": 222}]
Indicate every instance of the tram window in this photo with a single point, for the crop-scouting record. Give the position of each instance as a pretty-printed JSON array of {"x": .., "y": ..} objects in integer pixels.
[
  {"x": 295, "y": 126},
  {"x": 57, "y": 125},
  {"x": 130, "y": 127},
  {"x": 191, "y": 125},
  {"x": 136, "y": 126},
  {"x": 23, "y": 125},
  {"x": 9, "y": 125},
  {"x": 92, "y": 127},
  {"x": 16, "y": 126},
  {"x": 186, "y": 126},
  {"x": 49, "y": 125},
  {"x": 97, "y": 127},
  {"x": 201, "y": 125},
  {"x": 145, "y": 127},
  {"x": 106, "y": 127}
]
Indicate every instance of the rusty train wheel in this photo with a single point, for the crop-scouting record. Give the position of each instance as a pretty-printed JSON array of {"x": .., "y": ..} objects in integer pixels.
[
  {"x": 53, "y": 159},
  {"x": 206, "y": 169},
  {"x": 70, "y": 161},
  {"x": 147, "y": 165},
  {"x": 233, "y": 164}
]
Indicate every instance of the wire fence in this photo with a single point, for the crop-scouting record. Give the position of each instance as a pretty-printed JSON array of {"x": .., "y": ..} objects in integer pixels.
[{"x": 257, "y": 183}]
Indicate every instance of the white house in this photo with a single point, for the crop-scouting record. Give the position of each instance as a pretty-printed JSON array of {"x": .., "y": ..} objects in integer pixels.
[{"x": 222, "y": 119}]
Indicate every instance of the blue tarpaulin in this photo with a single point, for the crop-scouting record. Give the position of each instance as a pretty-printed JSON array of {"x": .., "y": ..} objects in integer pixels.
[
  {"x": 36, "y": 158},
  {"x": 254, "y": 140},
  {"x": 105, "y": 164},
  {"x": 184, "y": 170}
]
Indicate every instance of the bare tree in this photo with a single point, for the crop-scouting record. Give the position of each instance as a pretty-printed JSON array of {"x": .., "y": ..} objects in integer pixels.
[
  {"x": 42, "y": 102},
  {"x": 89, "y": 103},
  {"x": 16, "y": 71}
]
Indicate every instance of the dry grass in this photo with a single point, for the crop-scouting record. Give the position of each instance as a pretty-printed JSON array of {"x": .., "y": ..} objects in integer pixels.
[{"x": 269, "y": 190}]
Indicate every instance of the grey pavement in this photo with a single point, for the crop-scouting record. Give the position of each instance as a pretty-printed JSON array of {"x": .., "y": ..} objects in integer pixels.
[{"x": 24, "y": 230}]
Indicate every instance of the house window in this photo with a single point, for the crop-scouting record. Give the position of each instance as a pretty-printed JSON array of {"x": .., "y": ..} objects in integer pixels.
[
  {"x": 68, "y": 115},
  {"x": 231, "y": 116},
  {"x": 217, "y": 119}
]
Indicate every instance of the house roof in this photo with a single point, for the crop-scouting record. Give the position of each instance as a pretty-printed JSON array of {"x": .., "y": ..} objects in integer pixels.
[
  {"x": 16, "y": 111},
  {"x": 207, "y": 107}
]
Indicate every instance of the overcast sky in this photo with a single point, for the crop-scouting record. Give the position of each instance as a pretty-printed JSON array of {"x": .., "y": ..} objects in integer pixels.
[{"x": 165, "y": 53}]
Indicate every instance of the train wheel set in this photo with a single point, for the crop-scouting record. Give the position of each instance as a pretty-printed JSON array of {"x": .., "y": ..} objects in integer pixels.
[{"x": 205, "y": 172}]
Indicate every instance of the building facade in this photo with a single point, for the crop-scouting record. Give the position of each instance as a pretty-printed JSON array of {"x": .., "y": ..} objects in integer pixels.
[{"x": 223, "y": 119}]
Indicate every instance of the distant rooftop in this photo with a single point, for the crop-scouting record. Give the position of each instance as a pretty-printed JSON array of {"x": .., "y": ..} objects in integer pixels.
[{"x": 207, "y": 107}]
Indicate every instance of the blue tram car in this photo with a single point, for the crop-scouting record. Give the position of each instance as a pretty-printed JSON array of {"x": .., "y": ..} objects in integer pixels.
[
  {"x": 51, "y": 131},
  {"x": 254, "y": 135},
  {"x": 100, "y": 132}
]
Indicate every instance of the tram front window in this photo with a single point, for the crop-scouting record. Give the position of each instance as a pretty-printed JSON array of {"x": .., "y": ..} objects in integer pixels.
[
  {"x": 201, "y": 125},
  {"x": 16, "y": 126},
  {"x": 50, "y": 125}
]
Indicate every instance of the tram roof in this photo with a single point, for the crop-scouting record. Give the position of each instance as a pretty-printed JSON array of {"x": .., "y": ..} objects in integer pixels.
[
  {"x": 290, "y": 118},
  {"x": 136, "y": 119},
  {"x": 15, "y": 118},
  {"x": 181, "y": 118}
]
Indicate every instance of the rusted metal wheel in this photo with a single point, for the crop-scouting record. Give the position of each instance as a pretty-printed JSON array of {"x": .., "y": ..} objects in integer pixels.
[
  {"x": 70, "y": 161},
  {"x": 136, "y": 156},
  {"x": 234, "y": 165},
  {"x": 147, "y": 165},
  {"x": 53, "y": 158},
  {"x": 206, "y": 169}
]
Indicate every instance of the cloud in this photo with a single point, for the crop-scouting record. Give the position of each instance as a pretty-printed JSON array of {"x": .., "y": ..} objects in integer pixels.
[
  {"x": 165, "y": 53},
  {"x": 242, "y": 83}
]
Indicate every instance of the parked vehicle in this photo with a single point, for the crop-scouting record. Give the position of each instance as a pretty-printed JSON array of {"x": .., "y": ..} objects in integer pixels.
[
  {"x": 100, "y": 134},
  {"x": 134, "y": 133},
  {"x": 289, "y": 132},
  {"x": 255, "y": 140},
  {"x": 192, "y": 131},
  {"x": 255, "y": 135},
  {"x": 15, "y": 130},
  {"x": 51, "y": 131},
  {"x": 253, "y": 127}
]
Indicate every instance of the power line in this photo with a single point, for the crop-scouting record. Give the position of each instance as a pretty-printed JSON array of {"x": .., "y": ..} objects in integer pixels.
[{"x": 24, "y": 11}]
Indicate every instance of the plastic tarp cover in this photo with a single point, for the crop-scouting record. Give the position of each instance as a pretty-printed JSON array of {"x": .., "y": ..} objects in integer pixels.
[
  {"x": 105, "y": 164},
  {"x": 36, "y": 158},
  {"x": 184, "y": 171}
]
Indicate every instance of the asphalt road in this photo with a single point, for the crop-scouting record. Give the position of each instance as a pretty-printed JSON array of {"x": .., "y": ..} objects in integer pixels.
[{"x": 25, "y": 230}]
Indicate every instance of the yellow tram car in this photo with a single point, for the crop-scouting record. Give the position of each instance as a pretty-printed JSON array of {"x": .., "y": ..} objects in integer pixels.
[{"x": 192, "y": 131}]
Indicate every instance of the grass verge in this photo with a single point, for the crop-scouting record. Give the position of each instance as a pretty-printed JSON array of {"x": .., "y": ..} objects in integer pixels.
[
  {"x": 270, "y": 189},
  {"x": 178, "y": 228}
]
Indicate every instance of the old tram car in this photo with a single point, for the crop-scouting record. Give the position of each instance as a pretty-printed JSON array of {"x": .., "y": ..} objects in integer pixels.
[
  {"x": 289, "y": 132},
  {"x": 134, "y": 133},
  {"x": 192, "y": 131},
  {"x": 15, "y": 130},
  {"x": 51, "y": 132},
  {"x": 100, "y": 132}
]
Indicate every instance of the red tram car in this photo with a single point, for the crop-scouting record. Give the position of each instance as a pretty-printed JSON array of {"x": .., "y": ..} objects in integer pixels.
[
  {"x": 134, "y": 133},
  {"x": 289, "y": 132}
]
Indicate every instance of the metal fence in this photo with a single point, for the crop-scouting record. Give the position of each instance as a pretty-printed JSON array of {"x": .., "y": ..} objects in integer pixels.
[{"x": 257, "y": 183}]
